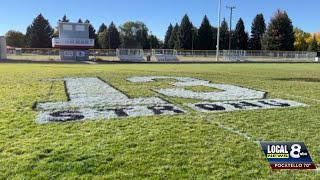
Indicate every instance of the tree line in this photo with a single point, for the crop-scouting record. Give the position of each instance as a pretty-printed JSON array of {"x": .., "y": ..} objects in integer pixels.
[{"x": 279, "y": 34}]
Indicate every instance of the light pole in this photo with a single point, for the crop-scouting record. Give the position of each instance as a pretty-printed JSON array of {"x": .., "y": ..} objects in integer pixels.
[
  {"x": 193, "y": 30},
  {"x": 218, "y": 35},
  {"x": 230, "y": 32},
  {"x": 151, "y": 39},
  {"x": 109, "y": 38}
]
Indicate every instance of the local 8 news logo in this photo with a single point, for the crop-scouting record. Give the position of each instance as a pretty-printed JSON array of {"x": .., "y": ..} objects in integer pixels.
[{"x": 287, "y": 155}]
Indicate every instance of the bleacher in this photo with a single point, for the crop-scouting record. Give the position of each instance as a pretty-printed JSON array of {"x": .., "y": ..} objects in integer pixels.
[
  {"x": 166, "y": 58},
  {"x": 130, "y": 55},
  {"x": 131, "y": 58},
  {"x": 234, "y": 55},
  {"x": 165, "y": 55}
]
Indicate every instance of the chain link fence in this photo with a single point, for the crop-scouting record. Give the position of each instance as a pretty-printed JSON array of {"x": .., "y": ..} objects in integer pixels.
[
  {"x": 183, "y": 55},
  {"x": 247, "y": 55}
]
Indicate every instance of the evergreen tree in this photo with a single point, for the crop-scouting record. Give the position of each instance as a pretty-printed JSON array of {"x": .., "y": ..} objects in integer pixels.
[
  {"x": 113, "y": 37},
  {"x": 102, "y": 35},
  {"x": 142, "y": 35},
  {"x": 39, "y": 33},
  {"x": 56, "y": 30},
  {"x": 240, "y": 37},
  {"x": 178, "y": 43},
  {"x": 167, "y": 37},
  {"x": 314, "y": 44},
  {"x": 258, "y": 29},
  {"x": 103, "y": 39},
  {"x": 102, "y": 28},
  {"x": 186, "y": 32},
  {"x": 154, "y": 42},
  {"x": 80, "y": 21},
  {"x": 195, "y": 38},
  {"x": 161, "y": 44},
  {"x": 28, "y": 36},
  {"x": 224, "y": 35},
  {"x": 174, "y": 41},
  {"x": 64, "y": 19},
  {"x": 280, "y": 35},
  {"x": 205, "y": 35},
  {"x": 93, "y": 35}
]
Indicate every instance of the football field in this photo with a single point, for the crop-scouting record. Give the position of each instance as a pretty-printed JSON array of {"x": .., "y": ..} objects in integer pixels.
[{"x": 183, "y": 143}]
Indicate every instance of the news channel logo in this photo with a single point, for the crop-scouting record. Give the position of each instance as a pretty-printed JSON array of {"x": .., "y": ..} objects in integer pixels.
[{"x": 287, "y": 155}]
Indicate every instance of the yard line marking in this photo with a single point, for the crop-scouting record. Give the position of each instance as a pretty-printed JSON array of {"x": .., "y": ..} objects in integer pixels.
[
  {"x": 244, "y": 135},
  {"x": 235, "y": 131}
]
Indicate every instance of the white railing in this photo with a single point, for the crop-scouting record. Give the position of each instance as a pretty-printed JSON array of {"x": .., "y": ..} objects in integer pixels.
[
  {"x": 164, "y": 52},
  {"x": 85, "y": 42}
]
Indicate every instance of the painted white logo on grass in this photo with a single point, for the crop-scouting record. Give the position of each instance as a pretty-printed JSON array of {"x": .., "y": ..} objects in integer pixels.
[
  {"x": 229, "y": 92},
  {"x": 243, "y": 105},
  {"x": 92, "y": 99}
]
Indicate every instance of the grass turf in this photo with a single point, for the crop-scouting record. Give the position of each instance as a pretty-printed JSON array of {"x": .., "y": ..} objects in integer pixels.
[{"x": 192, "y": 145}]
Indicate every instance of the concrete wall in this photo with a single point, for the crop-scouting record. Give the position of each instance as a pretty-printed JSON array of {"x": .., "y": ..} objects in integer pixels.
[
  {"x": 73, "y": 30},
  {"x": 74, "y": 54},
  {"x": 3, "y": 48}
]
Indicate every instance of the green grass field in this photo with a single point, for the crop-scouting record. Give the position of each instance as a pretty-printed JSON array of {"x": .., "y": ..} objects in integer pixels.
[{"x": 190, "y": 146}]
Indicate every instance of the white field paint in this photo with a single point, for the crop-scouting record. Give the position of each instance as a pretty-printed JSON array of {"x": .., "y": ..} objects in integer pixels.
[
  {"x": 239, "y": 133},
  {"x": 91, "y": 99},
  {"x": 243, "y": 105},
  {"x": 229, "y": 92},
  {"x": 93, "y": 92},
  {"x": 83, "y": 114}
]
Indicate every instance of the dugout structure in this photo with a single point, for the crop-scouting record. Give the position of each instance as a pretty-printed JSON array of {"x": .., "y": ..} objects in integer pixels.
[
  {"x": 73, "y": 41},
  {"x": 3, "y": 48}
]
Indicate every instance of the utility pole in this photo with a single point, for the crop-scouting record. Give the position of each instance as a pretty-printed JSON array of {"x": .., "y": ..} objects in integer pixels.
[
  {"x": 151, "y": 39},
  {"x": 193, "y": 31},
  {"x": 230, "y": 32},
  {"x": 218, "y": 34},
  {"x": 109, "y": 38}
]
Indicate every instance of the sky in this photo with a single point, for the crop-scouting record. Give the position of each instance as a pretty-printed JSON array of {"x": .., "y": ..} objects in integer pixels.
[{"x": 157, "y": 15}]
